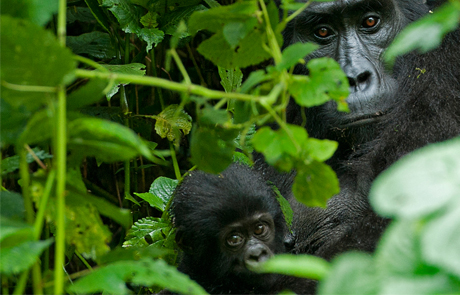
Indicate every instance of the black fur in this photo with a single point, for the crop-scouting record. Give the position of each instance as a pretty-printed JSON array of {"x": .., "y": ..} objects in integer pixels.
[{"x": 203, "y": 206}]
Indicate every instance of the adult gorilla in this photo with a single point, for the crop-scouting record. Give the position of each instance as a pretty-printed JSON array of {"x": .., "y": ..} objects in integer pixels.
[{"x": 391, "y": 114}]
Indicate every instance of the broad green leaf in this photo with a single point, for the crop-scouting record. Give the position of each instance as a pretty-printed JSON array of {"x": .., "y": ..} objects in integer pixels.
[
  {"x": 351, "y": 273},
  {"x": 39, "y": 128},
  {"x": 420, "y": 285},
  {"x": 145, "y": 272},
  {"x": 230, "y": 79},
  {"x": 12, "y": 207},
  {"x": 107, "y": 140},
  {"x": 426, "y": 33},
  {"x": 293, "y": 53},
  {"x": 37, "y": 11},
  {"x": 128, "y": 69},
  {"x": 96, "y": 44},
  {"x": 88, "y": 94},
  {"x": 254, "y": 79},
  {"x": 13, "y": 120},
  {"x": 172, "y": 19},
  {"x": 284, "y": 205},
  {"x": 31, "y": 56},
  {"x": 10, "y": 227},
  {"x": 210, "y": 116},
  {"x": 305, "y": 266},
  {"x": 420, "y": 183},
  {"x": 163, "y": 188},
  {"x": 154, "y": 229},
  {"x": 153, "y": 200},
  {"x": 320, "y": 149},
  {"x": 173, "y": 124},
  {"x": 326, "y": 81},
  {"x": 11, "y": 164},
  {"x": 441, "y": 240},
  {"x": 212, "y": 148},
  {"x": 79, "y": 13},
  {"x": 14, "y": 260},
  {"x": 314, "y": 184},
  {"x": 234, "y": 32}
]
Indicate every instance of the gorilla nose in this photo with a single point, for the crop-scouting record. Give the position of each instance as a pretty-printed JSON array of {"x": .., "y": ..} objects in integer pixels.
[
  {"x": 360, "y": 81},
  {"x": 256, "y": 255}
]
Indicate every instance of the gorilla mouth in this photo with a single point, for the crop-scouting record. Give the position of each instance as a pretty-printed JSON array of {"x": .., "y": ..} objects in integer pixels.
[{"x": 363, "y": 120}]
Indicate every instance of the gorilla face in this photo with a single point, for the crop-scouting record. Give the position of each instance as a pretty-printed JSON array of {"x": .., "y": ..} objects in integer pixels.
[{"x": 355, "y": 33}]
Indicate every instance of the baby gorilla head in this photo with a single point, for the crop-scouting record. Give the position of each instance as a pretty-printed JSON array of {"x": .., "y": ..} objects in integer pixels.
[{"x": 228, "y": 224}]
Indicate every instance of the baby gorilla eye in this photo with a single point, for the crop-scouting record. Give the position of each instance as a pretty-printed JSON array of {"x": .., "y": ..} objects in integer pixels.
[
  {"x": 370, "y": 22},
  {"x": 323, "y": 32},
  {"x": 235, "y": 240},
  {"x": 260, "y": 229}
]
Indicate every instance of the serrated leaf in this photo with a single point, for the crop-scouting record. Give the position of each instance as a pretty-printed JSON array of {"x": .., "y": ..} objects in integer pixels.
[
  {"x": 315, "y": 183},
  {"x": 305, "y": 266},
  {"x": 11, "y": 164},
  {"x": 31, "y": 56},
  {"x": 212, "y": 148},
  {"x": 107, "y": 140},
  {"x": 426, "y": 33},
  {"x": 155, "y": 228},
  {"x": 145, "y": 272},
  {"x": 95, "y": 44},
  {"x": 172, "y": 19},
  {"x": 230, "y": 79},
  {"x": 285, "y": 206},
  {"x": 14, "y": 260},
  {"x": 172, "y": 124},
  {"x": 293, "y": 53},
  {"x": 406, "y": 189}
]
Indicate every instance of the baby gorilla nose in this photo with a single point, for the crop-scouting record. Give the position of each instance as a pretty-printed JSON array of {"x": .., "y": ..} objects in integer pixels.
[{"x": 255, "y": 255}]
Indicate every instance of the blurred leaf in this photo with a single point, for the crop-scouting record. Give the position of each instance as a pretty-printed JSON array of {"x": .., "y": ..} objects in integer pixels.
[
  {"x": 11, "y": 164},
  {"x": 13, "y": 121},
  {"x": 426, "y": 33},
  {"x": 441, "y": 240},
  {"x": 12, "y": 206},
  {"x": 78, "y": 13},
  {"x": 96, "y": 44},
  {"x": 171, "y": 20},
  {"x": 210, "y": 116},
  {"x": 320, "y": 149},
  {"x": 420, "y": 285},
  {"x": 108, "y": 141},
  {"x": 170, "y": 122},
  {"x": 39, "y": 128},
  {"x": 230, "y": 79},
  {"x": 293, "y": 53},
  {"x": 315, "y": 183},
  {"x": 254, "y": 78},
  {"x": 406, "y": 189},
  {"x": 31, "y": 56},
  {"x": 145, "y": 272},
  {"x": 90, "y": 93},
  {"x": 351, "y": 273},
  {"x": 305, "y": 266},
  {"x": 212, "y": 148},
  {"x": 10, "y": 227},
  {"x": 326, "y": 81},
  {"x": 14, "y": 260},
  {"x": 38, "y": 12}
]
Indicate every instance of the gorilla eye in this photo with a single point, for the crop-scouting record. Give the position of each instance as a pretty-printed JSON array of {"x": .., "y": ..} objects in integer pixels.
[
  {"x": 260, "y": 229},
  {"x": 323, "y": 32},
  {"x": 234, "y": 240},
  {"x": 370, "y": 22}
]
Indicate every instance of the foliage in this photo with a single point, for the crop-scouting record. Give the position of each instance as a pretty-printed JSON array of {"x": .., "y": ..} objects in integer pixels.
[{"x": 73, "y": 117}]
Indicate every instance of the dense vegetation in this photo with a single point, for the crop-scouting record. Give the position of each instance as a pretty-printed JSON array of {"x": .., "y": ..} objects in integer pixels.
[{"x": 106, "y": 104}]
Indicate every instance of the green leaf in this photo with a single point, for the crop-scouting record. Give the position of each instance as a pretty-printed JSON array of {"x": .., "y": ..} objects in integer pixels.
[
  {"x": 441, "y": 241},
  {"x": 210, "y": 116},
  {"x": 155, "y": 228},
  {"x": 284, "y": 205},
  {"x": 351, "y": 273},
  {"x": 14, "y": 260},
  {"x": 230, "y": 79},
  {"x": 426, "y": 33},
  {"x": 107, "y": 140},
  {"x": 421, "y": 285},
  {"x": 98, "y": 13},
  {"x": 11, "y": 164},
  {"x": 31, "y": 56},
  {"x": 172, "y": 123},
  {"x": 39, "y": 128},
  {"x": 146, "y": 272},
  {"x": 326, "y": 81},
  {"x": 11, "y": 227},
  {"x": 320, "y": 149},
  {"x": 212, "y": 148},
  {"x": 305, "y": 266},
  {"x": 88, "y": 94},
  {"x": 95, "y": 44},
  {"x": 406, "y": 189},
  {"x": 172, "y": 19},
  {"x": 254, "y": 79},
  {"x": 163, "y": 188},
  {"x": 295, "y": 53},
  {"x": 37, "y": 11},
  {"x": 234, "y": 32},
  {"x": 15, "y": 119},
  {"x": 314, "y": 184},
  {"x": 12, "y": 206}
]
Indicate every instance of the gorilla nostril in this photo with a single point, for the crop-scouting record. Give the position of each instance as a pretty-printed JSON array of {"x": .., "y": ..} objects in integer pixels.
[
  {"x": 351, "y": 81},
  {"x": 363, "y": 77},
  {"x": 360, "y": 81}
]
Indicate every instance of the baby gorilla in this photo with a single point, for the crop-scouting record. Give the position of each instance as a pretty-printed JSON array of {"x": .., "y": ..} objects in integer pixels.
[{"x": 228, "y": 224}]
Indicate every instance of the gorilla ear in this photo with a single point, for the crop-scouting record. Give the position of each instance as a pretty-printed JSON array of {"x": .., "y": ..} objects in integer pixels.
[{"x": 181, "y": 241}]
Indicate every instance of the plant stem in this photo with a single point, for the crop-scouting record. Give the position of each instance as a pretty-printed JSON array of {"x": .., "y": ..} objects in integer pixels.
[
  {"x": 21, "y": 285},
  {"x": 83, "y": 260},
  {"x": 39, "y": 220},
  {"x": 154, "y": 72},
  {"x": 25, "y": 178},
  {"x": 163, "y": 83},
  {"x": 175, "y": 163},
  {"x": 180, "y": 65}
]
